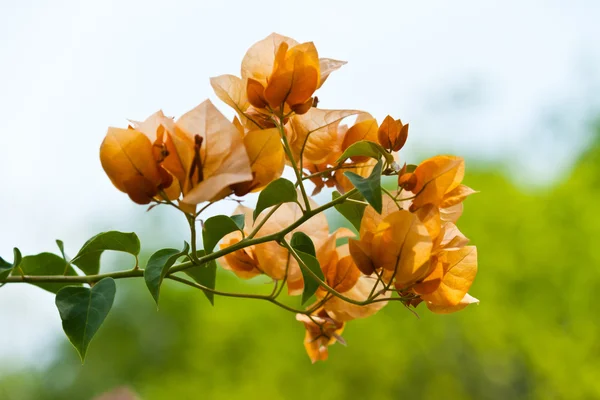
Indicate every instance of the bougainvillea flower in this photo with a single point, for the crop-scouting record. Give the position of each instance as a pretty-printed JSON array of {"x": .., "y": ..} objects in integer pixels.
[
  {"x": 210, "y": 152},
  {"x": 392, "y": 134},
  {"x": 321, "y": 331},
  {"x": 274, "y": 71},
  {"x": 133, "y": 160},
  {"x": 294, "y": 79},
  {"x": 438, "y": 182}
]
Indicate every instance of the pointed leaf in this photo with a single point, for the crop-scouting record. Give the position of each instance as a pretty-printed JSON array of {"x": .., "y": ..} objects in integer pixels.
[
  {"x": 88, "y": 258},
  {"x": 46, "y": 264},
  {"x": 206, "y": 275},
  {"x": 215, "y": 228},
  {"x": 310, "y": 284},
  {"x": 61, "y": 247},
  {"x": 366, "y": 148},
  {"x": 279, "y": 191},
  {"x": 158, "y": 266},
  {"x": 6, "y": 267},
  {"x": 83, "y": 310},
  {"x": 240, "y": 220},
  {"x": 353, "y": 212},
  {"x": 302, "y": 242},
  {"x": 369, "y": 187}
]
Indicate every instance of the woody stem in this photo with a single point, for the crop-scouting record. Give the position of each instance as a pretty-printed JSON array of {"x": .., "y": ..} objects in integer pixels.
[
  {"x": 278, "y": 236},
  {"x": 192, "y": 222}
]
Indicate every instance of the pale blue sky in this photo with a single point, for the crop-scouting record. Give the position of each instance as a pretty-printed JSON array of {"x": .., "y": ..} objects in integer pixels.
[{"x": 490, "y": 80}]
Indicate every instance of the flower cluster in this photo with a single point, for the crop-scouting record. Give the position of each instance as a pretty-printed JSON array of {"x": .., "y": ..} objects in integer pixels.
[{"x": 408, "y": 247}]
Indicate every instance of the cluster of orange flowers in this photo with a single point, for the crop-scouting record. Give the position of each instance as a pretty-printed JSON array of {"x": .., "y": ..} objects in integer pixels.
[{"x": 412, "y": 248}]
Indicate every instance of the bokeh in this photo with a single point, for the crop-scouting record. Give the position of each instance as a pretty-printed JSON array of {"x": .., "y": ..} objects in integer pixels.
[{"x": 535, "y": 223}]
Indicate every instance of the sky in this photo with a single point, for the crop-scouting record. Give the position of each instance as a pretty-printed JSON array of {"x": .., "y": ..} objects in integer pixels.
[{"x": 509, "y": 82}]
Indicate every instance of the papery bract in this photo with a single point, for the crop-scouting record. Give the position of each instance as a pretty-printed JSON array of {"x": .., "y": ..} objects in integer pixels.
[
  {"x": 459, "y": 270},
  {"x": 211, "y": 153},
  {"x": 392, "y": 134},
  {"x": 321, "y": 331},
  {"x": 267, "y": 159},
  {"x": 129, "y": 160}
]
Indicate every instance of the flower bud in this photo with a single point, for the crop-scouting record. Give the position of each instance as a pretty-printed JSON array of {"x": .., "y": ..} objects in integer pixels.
[{"x": 392, "y": 134}]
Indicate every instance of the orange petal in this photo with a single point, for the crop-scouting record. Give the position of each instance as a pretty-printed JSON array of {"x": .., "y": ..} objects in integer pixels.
[
  {"x": 440, "y": 309},
  {"x": 127, "y": 158},
  {"x": 266, "y": 154},
  {"x": 260, "y": 57},
  {"x": 224, "y": 157},
  {"x": 242, "y": 262},
  {"x": 457, "y": 195},
  {"x": 344, "y": 276},
  {"x": 401, "y": 243},
  {"x": 460, "y": 273},
  {"x": 230, "y": 89},
  {"x": 364, "y": 130},
  {"x": 304, "y": 107},
  {"x": 436, "y": 177},
  {"x": 388, "y": 132},
  {"x": 327, "y": 66},
  {"x": 317, "y": 131},
  {"x": 432, "y": 281},
  {"x": 295, "y": 75},
  {"x": 392, "y": 134},
  {"x": 256, "y": 93},
  {"x": 360, "y": 251}
]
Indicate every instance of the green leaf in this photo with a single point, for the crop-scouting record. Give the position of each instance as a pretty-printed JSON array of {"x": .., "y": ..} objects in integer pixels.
[
  {"x": 83, "y": 310},
  {"x": 88, "y": 258},
  {"x": 46, "y": 264},
  {"x": 215, "y": 228},
  {"x": 158, "y": 266},
  {"x": 205, "y": 274},
  {"x": 305, "y": 249},
  {"x": 310, "y": 284},
  {"x": 61, "y": 247},
  {"x": 6, "y": 267},
  {"x": 366, "y": 148},
  {"x": 353, "y": 212},
  {"x": 279, "y": 191},
  {"x": 369, "y": 187},
  {"x": 301, "y": 242},
  {"x": 411, "y": 167},
  {"x": 240, "y": 220}
]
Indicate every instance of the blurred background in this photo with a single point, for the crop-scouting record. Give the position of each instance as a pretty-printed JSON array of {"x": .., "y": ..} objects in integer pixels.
[{"x": 512, "y": 86}]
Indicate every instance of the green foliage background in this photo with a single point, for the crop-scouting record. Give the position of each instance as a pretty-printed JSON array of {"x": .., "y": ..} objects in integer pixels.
[{"x": 535, "y": 334}]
